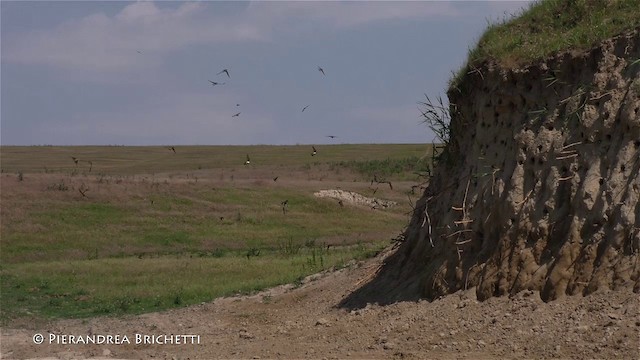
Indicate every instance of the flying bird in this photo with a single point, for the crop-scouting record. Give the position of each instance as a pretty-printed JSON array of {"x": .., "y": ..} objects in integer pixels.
[
  {"x": 236, "y": 115},
  {"x": 237, "y": 104},
  {"x": 213, "y": 83},
  {"x": 139, "y": 52},
  {"x": 275, "y": 179},
  {"x": 172, "y": 149},
  {"x": 378, "y": 181},
  {"x": 248, "y": 161},
  {"x": 332, "y": 136},
  {"x": 305, "y": 108},
  {"x": 226, "y": 72},
  {"x": 321, "y": 70},
  {"x": 83, "y": 190},
  {"x": 315, "y": 152}
]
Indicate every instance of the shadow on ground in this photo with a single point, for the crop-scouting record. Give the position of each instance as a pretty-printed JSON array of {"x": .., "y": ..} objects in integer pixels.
[{"x": 397, "y": 281}]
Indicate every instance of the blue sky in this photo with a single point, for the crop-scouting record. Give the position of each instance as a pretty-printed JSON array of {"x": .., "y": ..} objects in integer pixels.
[{"x": 136, "y": 73}]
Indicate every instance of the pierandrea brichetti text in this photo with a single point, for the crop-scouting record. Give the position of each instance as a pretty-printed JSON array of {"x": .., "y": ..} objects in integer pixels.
[{"x": 119, "y": 339}]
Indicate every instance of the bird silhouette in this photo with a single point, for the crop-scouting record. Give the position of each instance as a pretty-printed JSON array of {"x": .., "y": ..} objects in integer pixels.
[
  {"x": 332, "y": 136},
  {"x": 139, "y": 52},
  {"x": 305, "y": 108},
  {"x": 226, "y": 72},
  {"x": 275, "y": 179},
  {"x": 248, "y": 161},
  {"x": 315, "y": 152},
  {"x": 321, "y": 70},
  {"x": 378, "y": 181},
  {"x": 214, "y": 83},
  {"x": 235, "y": 115},
  {"x": 172, "y": 149},
  {"x": 83, "y": 190},
  {"x": 237, "y": 104}
]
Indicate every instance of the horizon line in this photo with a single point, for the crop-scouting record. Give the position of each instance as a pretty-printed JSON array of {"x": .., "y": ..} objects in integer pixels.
[{"x": 201, "y": 145}]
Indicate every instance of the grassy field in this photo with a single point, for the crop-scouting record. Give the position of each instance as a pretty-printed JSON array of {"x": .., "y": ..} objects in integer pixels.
[{"x": 144, "y": 229}]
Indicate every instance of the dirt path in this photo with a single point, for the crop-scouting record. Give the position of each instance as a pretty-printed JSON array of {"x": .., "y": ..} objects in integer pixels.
[{"x": 303, "y": 322}]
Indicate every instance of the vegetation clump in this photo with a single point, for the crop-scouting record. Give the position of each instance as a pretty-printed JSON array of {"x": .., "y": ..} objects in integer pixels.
[{"x": 550, "y": 26}]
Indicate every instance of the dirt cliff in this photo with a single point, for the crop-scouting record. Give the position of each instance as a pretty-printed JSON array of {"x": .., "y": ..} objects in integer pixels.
[{"x": 538, "y": 185}]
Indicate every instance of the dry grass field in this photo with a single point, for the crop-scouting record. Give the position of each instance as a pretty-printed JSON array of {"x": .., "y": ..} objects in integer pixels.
[{"x": 139, "y": 229}]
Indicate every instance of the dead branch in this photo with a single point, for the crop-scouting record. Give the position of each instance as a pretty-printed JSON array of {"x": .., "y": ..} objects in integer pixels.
[
  {"x": 566, "y": 157},
  {"x": 464, "y": 242},
  {"x": 427, "y": 219},
  {"x": 463, "y": 221},
  {"x": 459, "y": 232},
  {"x": 572, "y": 144},
  {"x": 525, "y": 198}
]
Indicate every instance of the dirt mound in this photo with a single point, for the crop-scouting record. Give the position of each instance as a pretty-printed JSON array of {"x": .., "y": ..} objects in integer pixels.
[
  {"x": 354, "y": 198},
  {"x": 538, "y": 187}
]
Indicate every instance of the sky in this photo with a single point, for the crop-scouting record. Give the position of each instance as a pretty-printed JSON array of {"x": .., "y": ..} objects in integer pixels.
[{"x": 137, "y": 73}]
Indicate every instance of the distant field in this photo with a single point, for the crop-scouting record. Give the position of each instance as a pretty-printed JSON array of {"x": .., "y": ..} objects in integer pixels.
[
  {"x": 129, "y": 160},
  {"x": 143, "y": 229}
]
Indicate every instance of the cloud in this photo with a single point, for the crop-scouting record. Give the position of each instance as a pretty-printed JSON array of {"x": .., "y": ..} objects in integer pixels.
[{"x": 111, "y": 44}]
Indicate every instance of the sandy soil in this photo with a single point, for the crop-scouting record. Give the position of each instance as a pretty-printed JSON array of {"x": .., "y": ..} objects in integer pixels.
[{"x": 304, "y": 322}]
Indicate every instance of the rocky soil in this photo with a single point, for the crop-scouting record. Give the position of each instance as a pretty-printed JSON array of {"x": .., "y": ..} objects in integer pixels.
[
  {"x": 305, "y": 322},
  {"x": 353, "y": 198}
]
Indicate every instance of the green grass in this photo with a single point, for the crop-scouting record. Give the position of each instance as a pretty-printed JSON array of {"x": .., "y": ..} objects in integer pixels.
[
  {"x": 252, "y": 217},
  {"x": 129, "y": 285},
  {"x": 158, "y": 230},
  {"x": 551, "y": 26},
  {"x": 388, "y": 168}
]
